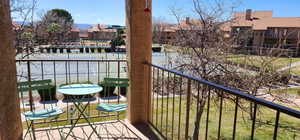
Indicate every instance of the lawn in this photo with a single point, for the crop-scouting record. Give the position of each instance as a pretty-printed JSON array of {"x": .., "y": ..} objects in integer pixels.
[
  {"x": 259, "y": 61},
  {"x": 163, "y": 118}
]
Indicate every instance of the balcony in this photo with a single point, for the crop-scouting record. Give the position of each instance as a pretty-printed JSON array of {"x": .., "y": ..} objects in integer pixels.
[
  {"x": 162, "y": 103},
  {"x": 175, "y": 99},
  {"x": 110, "y": 125}
]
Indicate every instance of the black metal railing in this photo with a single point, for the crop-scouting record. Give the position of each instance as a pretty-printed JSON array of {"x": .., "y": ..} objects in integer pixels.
[
  {"x": 179, "y": 100},
  {"x": 62, "y": 72}
]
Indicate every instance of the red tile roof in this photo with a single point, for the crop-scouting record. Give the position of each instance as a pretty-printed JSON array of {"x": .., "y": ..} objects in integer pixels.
[
  {"x": 263, "y": 19},
  {"x": 75, "y": 29},
  {"x": 101, "y": 27}
]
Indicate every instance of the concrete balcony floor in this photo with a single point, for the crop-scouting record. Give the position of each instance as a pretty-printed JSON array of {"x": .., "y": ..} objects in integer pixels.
[{"x": 110, "y": 130}]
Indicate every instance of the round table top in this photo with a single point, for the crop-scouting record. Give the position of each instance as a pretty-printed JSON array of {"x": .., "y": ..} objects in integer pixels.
[{"x": 79, "y": 89}]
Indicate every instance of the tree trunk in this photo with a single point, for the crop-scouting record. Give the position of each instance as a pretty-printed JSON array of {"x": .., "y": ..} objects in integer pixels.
[
  {"x": 198, "y": 119},
  {"x": 10, "y": 117}
]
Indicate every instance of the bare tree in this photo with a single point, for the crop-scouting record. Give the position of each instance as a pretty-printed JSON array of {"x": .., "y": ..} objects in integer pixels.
[
  {"x": 51, "y": 28},
  {"x": 55, "y": 26},
  {"x": 205, "y": 50},
  {"x": 23, "y": 11},
  {"x": 158, "y": 27}
]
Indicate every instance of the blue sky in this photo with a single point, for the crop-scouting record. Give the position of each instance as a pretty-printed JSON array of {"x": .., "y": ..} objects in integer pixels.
[{"x": 113, "y": 11}]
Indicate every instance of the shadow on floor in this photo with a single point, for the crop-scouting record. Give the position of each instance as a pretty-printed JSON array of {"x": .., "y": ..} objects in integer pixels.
[
  {"x": 147, "y": 131},
  {"x": 113, "y": 130}
]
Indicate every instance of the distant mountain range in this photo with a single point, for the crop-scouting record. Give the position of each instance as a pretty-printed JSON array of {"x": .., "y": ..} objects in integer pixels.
[
  {"x": 87, "y": 26},
  {"x": 80, "y": 26},
  {"x": 83, "y": 26}
]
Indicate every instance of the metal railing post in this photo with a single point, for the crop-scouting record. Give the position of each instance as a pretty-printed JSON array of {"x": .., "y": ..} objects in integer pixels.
[
  {"x": 188, "y": 105},
  {"x": 30, "y": 96}
]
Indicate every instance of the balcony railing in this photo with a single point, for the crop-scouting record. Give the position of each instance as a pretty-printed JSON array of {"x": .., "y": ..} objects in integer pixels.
[
  {"x": 62, "y": 72},
  {"x": 227, "y": 113},
  {"x": 175, "y": 102}
]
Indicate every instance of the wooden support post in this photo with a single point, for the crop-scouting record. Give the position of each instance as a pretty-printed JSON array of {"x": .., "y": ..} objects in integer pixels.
[
  {"x": 10, "y": 116},
  {"x": 139, "y": 51}
]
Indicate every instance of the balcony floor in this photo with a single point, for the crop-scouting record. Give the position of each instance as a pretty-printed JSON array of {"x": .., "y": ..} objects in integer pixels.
[{"x": 110, "y": 130}]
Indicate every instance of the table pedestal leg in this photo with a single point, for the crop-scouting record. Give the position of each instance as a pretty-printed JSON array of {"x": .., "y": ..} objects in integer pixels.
[{"x": 81, "y": 108}]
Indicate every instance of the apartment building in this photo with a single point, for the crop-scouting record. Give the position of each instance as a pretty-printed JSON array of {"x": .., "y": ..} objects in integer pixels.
[
  {"x": 101, "y": 32},
  {"x": 261, "y": 29},
  {"x": 74, "y": 34},
  {"x": 265, "y": 30}
]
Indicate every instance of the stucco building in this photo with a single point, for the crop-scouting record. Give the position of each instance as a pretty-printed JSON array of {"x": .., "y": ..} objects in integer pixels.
[
  {"x": 101, "y": 32},
  {"x": 74, "y": 34},
  {"x": 265, "y": 30},
  {"x": 257, "y": 28}
]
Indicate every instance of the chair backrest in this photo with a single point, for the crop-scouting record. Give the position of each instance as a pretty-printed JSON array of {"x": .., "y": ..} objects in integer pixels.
[
  {"x": 34, "y": 85},
  {"x": 119, "y": 82}
]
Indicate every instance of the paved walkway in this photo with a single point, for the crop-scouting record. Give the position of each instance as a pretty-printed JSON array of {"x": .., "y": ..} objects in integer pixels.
[
  {"x": 271, "y": 98},
  {"x": 288, "y": 67}
]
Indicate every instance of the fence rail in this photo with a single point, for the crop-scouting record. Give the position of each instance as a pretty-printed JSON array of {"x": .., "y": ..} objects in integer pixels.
[{"x": 223, "y": 113}]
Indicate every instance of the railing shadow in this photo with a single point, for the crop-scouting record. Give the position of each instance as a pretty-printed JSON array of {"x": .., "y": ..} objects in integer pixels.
[
  {"x": 80, "y": 100},
  {"x": 110, "y": 98},
  {"x": 49, "y": 102}
]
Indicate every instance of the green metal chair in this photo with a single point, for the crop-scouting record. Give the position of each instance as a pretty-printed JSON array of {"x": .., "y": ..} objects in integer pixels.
[
  {"x": 110, "y": 84},
  {"x": 51, "y": 113},
  {"x": 121, "y": 83},
  {"x": 114, "y": 82},
  {"x": 110, "y": 107}
]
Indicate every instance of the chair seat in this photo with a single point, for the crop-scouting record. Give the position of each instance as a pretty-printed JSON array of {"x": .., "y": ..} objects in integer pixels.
[
  {"x": 43, "y": 114},
  {"x": 112, "y": 107}
]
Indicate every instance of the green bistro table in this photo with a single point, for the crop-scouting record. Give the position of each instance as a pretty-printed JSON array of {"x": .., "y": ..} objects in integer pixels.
[{"x": 73, "y": 91}]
